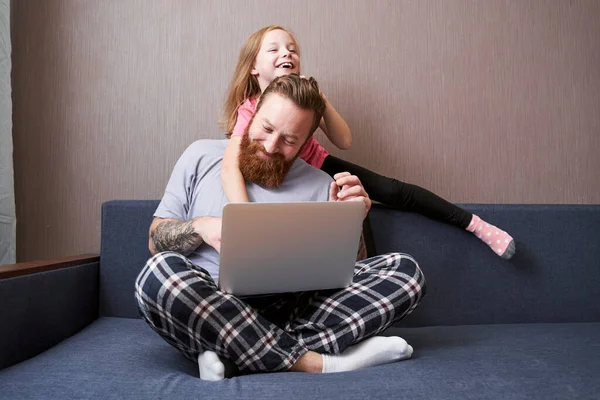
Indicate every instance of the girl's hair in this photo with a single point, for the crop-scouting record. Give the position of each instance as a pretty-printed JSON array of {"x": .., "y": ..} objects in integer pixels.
[{"x": 245, "y": 85}]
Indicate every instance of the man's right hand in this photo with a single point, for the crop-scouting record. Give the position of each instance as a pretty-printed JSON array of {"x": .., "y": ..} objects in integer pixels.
[
  {"x": 351, "y": 190},
  {"x": 210, "y": 231}
]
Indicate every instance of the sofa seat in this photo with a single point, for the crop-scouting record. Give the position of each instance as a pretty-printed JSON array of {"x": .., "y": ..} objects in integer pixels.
[{"x": 123, "y": 358}]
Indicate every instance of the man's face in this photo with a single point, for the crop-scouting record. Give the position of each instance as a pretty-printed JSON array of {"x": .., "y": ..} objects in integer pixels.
[{"x": 273, "y": 140}]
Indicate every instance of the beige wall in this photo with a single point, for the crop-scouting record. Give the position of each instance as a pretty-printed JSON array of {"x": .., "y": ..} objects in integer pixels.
[{"x": 480, "y": 101}]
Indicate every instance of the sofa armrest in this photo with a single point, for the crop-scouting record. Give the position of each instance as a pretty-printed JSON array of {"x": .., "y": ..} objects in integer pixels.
[
  {"x": 45, "y": 302},
  {"x": 32, "y": 267}
]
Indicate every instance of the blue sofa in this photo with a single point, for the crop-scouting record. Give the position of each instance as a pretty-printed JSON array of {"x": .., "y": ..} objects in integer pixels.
[{"x": 528, "y": 328}]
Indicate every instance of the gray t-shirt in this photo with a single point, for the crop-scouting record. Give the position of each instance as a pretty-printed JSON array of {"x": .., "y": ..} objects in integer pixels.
[{"x": 195, "y": 190}]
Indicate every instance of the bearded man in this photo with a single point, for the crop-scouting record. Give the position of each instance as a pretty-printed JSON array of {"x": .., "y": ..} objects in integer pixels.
[{"x": 320, "y": 332}]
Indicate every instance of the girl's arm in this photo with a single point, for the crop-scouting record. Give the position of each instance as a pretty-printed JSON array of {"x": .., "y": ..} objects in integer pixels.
[
  {"x": 335, "y": 128},
  {"x": 231, "y": 176}
]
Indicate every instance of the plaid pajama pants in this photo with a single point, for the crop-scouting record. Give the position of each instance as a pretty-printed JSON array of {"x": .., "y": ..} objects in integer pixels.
[{"x": 182, "y": 303}]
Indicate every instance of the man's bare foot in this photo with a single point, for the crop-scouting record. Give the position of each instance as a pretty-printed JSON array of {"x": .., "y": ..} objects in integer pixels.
[{"x": 309, "y": 362}]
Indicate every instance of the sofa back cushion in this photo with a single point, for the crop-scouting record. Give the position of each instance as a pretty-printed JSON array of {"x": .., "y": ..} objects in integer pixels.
[
  {"x": 123, "y": 253},
  {"x": 553, "y": 277}
]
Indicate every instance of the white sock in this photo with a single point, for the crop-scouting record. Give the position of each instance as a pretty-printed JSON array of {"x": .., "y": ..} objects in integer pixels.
[
  {"x": 210, "y": 366},
  {"x": 373, "y": 351}
]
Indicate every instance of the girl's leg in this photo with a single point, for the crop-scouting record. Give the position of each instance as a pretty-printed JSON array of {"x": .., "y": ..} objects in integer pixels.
[
  {"x": 412, "y": 198},
  {"x": 401, "y": 195}
]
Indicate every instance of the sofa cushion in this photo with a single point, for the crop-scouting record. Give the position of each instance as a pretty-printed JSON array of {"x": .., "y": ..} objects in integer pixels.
[
  {"x": 58, "y": 303},
  {"x": 123, "y": 253},
  {"x": 551, "y": 278},
  {"x": 123, "y": 358}
]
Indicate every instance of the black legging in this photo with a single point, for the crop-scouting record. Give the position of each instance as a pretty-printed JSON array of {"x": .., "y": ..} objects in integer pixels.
[{"x": 401, "y": 195}]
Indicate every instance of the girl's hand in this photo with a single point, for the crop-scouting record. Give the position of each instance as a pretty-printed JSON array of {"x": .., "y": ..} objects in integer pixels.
[
  {"x": 334, "y": 126},
  {"x": 324, "y": 98},
  {"x": 320, "y": 91}
]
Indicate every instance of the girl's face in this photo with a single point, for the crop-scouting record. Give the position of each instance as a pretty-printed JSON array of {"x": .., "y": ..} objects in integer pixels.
[{"x": 277, "y": 56}]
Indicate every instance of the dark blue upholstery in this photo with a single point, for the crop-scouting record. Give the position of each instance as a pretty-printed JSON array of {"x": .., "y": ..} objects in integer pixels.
[
  {"x": 38, "y": 311},
  {"x": 121, "y": 358},
  {"x": 123, "y": 253},
  {"x": 552, "y": 277},
  {"x": 528, "y": 328}
]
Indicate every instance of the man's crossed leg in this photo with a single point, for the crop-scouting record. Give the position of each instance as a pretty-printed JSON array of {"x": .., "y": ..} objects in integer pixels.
[{"x": 325, "y": 331}]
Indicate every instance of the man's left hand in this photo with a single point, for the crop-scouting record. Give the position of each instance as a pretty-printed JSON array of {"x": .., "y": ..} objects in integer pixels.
[{"x": 351, "y": 190}]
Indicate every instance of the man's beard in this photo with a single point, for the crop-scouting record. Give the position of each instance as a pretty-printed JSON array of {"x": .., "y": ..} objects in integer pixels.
[{"x": 268, "y": 173}]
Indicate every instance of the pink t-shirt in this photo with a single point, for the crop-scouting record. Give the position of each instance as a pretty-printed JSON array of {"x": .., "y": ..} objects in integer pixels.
[{"x": 313, "y": 153}]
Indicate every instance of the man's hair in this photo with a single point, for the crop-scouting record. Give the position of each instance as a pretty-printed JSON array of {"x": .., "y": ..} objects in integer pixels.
[{"x": 304, "y": 92}]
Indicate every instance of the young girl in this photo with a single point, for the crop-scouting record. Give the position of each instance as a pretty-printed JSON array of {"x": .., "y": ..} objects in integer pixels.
[{"x": 273, "y": 51}]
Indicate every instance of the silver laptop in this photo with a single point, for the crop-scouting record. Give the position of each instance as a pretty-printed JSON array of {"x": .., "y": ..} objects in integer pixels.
[{"x": 288, "y": 247}]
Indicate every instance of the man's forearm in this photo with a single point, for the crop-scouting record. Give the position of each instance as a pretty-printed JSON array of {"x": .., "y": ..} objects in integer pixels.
[{"x": 175, "y": 235}]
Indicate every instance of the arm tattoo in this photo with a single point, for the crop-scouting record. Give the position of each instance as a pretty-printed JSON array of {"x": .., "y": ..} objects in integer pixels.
[
  {"x": 177, "y": 236},
  {"x": 362, "y": 249}
]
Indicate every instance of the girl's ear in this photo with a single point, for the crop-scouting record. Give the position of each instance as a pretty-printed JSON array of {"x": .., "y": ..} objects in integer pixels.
[{"x": 254, "y": 71}]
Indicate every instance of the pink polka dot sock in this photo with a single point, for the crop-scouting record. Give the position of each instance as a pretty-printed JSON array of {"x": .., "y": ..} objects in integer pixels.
[{"x": 499, "y": 241}]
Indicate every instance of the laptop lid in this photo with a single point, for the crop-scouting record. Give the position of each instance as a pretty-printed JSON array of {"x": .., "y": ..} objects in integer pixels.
[{"x": 288, "y": 247}]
